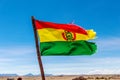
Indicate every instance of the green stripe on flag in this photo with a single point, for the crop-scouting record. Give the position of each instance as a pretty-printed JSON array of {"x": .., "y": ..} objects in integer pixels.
[{"x": 67, "y": 48}]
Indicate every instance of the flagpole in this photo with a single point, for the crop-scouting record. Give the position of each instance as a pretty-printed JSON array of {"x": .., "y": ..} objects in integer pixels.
[{"x": 38, "y": 50}]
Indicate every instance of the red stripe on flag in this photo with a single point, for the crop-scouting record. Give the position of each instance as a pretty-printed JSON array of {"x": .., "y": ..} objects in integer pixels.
[{"x": 68, "y": 27}]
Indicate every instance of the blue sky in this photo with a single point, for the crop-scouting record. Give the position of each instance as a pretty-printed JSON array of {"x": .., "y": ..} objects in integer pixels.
[{"x": 17, "y": 46}]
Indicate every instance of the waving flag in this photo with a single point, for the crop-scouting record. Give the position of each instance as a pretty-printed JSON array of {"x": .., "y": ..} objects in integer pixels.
[{"x": 64, "y": 39}]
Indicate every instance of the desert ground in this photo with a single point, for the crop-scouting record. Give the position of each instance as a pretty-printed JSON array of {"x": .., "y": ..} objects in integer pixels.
[{"x": 63, "y": 77}]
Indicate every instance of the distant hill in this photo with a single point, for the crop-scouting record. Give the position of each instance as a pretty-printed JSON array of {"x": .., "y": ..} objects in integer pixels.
[
  {"x": 8, "y": 75},
  {"x": 38, "y": 75},
  {"x": 48, "y": 75},
  {"x": 29, "y": 74}
]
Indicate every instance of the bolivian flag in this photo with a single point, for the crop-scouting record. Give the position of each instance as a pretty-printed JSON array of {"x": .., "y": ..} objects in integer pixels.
[{"x": 64, "y": 39}]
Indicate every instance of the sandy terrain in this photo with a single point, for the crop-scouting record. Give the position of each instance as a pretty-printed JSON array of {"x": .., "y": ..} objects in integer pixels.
[
  {"x": 39, "y": 78},
  {"x": 88, "y": 77}
]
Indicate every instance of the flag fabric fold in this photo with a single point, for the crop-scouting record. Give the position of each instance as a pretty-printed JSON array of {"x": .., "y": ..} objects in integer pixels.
[{"x": 64, "y": 39}]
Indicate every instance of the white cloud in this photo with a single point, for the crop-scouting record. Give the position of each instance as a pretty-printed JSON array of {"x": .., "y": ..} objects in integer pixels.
[
  {"x": 109, "y": 44},
  {"x": 17, "y": 50},
  {"x": 105, "y": 71},
  {"x": 85, "y": 66},
  {"x": 20, "y": 69},
  {"x": 15, "y": 58},
  {"x": 80, "y": 66},
  {"x": 5, "y": 60}
]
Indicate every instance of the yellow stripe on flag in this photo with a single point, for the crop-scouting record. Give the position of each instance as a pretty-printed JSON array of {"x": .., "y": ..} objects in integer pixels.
[{"x": 51, "y": 34}]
